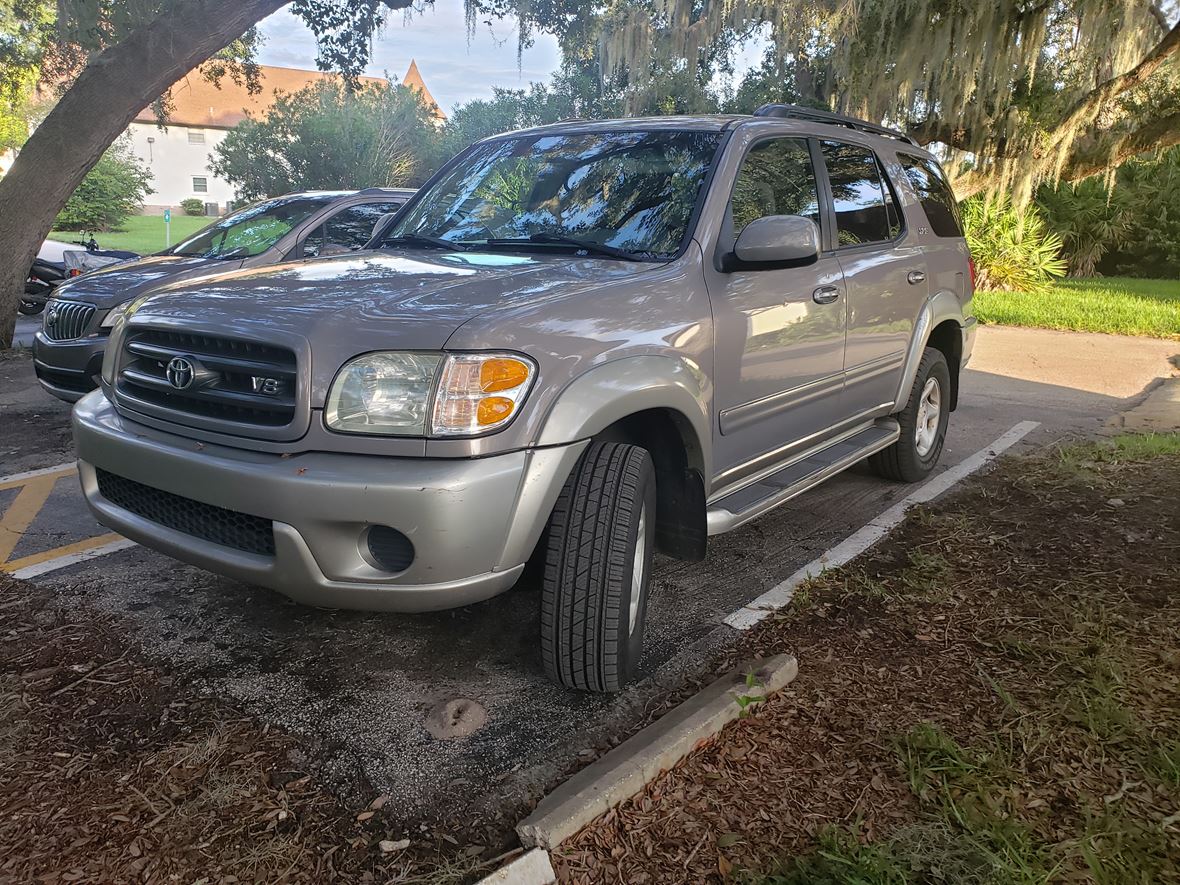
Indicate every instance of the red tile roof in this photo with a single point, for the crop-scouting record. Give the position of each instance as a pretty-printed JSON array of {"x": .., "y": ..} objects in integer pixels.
[{"x": 200, "y": 103}]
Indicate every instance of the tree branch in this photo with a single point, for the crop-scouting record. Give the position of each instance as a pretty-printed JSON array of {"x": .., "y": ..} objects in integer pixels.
[{"x": 1089, "y": 104}]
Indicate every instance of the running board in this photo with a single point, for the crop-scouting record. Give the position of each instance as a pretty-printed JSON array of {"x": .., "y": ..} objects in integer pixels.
[{"x": 738, "y": 508}]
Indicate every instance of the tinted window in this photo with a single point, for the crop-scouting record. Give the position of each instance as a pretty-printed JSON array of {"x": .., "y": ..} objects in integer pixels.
[
  {"x": 865, "y": 212},
  {"x": 250, "y": 231},
  {"x": 630, "y": 190},
  {"x": 776, "y": 178},
  {"x": 346, "y": 230},
  {"x": 934, "y": 193}
]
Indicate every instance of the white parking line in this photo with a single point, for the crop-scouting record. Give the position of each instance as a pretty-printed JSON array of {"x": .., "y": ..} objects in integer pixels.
[
  {"x": 873, "y": 531},
  {"x": 52, "y": 565},
  {"x": 17, "y": 478}
]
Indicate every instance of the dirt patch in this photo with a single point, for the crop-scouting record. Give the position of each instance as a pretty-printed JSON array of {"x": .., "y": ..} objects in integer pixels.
[
  {"x": 996, "y": 689},
  {"x": 112, "y": 771}
]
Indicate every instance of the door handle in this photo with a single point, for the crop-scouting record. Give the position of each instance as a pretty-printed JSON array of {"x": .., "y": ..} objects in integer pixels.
[
  {"x": 914, "y": 277},
  {"x": 825, "y": 294}
]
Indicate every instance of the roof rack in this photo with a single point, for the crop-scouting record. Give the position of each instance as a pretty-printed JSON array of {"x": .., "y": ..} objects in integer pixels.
[{"x": 795, "y": 112}]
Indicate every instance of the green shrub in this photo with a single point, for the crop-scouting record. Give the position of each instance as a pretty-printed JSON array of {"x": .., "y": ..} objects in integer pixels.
[
  {"x": 113, "y": 190},
  {"x": 1150, "y": 189},
  {"x": 1011, "y": 247},
  {"x": 193, "y": 206},
  {"x": 1088, "y": 217}
]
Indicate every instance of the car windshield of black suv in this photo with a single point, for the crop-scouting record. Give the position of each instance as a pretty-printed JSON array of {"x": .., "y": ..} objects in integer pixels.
[
  {"x": 252, "y": 230},
  {"x": 627, "y": 194}
]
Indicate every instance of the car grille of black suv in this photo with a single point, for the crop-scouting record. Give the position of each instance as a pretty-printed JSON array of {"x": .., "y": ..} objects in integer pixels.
[
  {"x": 67, "y": 319},
  {"x": 224, "y": 379},
  {"x": 241, "y": 531}
]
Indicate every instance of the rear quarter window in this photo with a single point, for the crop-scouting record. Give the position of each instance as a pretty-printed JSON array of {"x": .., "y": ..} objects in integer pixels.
[{"x": 934, "y": 193}]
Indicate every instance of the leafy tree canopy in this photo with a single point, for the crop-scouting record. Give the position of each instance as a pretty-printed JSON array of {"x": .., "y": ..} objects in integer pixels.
[
  {"x": 326, "y": 137},
  {"x": 1026, "y": 90},
  {"x": 113, "y": 190}
]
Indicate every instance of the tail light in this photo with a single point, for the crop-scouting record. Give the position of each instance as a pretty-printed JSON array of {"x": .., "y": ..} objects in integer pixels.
[
  {"x": 75, "y": 272},
  {"x": 971, "y": 269}
]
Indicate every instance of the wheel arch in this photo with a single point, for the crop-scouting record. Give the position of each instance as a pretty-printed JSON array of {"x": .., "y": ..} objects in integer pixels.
[
  {"x": 939, "y": 325},
  {"x": 661, "y": 404}
]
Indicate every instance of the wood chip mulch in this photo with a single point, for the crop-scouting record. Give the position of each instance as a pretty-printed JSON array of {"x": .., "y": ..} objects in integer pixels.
[{"x": 925, "y": 630}]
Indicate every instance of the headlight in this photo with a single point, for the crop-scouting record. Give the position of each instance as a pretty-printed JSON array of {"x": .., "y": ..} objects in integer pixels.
[
  {"x": 113, "y": 315},
  {"x": 416, "y": 394}
]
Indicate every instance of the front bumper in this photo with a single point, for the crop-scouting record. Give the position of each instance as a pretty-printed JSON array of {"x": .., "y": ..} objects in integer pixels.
[
  {"x": 472, "y": 522},
  {"x": 68, "y": 369}
]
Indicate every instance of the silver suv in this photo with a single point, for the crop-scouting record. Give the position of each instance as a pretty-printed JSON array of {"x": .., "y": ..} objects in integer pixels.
[{"x": 580, "y": 343}]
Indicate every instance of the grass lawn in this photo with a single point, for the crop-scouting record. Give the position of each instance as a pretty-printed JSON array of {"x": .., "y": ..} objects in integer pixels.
[
  {"x": 1119, "y": 305},
  {"x": 142, "y": 233}
]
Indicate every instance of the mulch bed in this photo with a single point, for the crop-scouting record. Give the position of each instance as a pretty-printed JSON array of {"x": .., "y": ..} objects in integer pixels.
[
  {"x": 114, "y": 771},
  {"x": 1004, "y": 599}
]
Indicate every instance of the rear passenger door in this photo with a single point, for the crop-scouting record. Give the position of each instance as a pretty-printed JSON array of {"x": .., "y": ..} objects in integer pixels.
[
  {"x": 884, "y": 273},
  {"x": 347, "y": 230},
  {"x": 944, "y": 249}
]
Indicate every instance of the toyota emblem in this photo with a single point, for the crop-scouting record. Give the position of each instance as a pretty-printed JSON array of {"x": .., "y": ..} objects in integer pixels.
[{"x": 180, "y": 372}]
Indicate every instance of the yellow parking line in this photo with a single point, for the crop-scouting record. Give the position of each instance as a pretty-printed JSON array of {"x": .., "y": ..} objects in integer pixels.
[
  {"x": 25, "y": 479},
  {"x": 79, "y": 547},
  {"x": 22, "y": 511}
]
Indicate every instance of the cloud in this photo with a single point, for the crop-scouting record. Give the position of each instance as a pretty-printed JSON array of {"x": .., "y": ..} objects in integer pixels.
[{"x": 454, "y": 68}]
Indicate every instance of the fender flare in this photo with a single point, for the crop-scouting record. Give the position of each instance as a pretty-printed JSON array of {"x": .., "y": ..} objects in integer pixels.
[
  {"x": 611, "y": 391},
  {"x": 937, "y": 309}
]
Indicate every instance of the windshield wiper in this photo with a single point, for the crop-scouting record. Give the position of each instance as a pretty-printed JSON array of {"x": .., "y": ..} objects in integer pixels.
[
  {"x": 424, "y": 240},
  {"x": 572, "y": 242}
]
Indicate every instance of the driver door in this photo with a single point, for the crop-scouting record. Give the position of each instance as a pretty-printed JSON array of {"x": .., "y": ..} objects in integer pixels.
[{"x": 779, "y": 331}]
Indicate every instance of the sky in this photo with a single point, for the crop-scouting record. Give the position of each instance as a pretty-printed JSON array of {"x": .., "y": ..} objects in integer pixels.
[{"x": 455, "y": 69}]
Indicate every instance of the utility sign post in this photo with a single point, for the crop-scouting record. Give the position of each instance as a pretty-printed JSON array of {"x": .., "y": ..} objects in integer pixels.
[{"x": 167, "y": 227}]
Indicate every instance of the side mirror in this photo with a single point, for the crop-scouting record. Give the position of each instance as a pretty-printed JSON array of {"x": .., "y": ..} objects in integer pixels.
[{"x": 777, "y": 240}]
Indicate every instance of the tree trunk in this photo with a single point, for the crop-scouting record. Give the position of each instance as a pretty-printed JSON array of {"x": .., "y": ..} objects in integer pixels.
[{"x": 97, "y": 108}]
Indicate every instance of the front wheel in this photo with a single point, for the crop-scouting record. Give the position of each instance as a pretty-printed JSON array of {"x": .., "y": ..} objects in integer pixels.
[
  {"x": 597, "y": 568},
  {"x": 923, "y": 424}
]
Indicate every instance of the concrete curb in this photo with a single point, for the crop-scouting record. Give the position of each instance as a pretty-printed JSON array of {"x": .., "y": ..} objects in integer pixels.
[
  {"x": 627, "y": 769},
  {"x": 1159, "y": 412},
  {"x": 531, "y": 868}
]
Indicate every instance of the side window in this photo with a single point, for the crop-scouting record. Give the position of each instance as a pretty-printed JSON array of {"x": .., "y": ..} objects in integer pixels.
[
  {"x": 865, "y": 209},
  {"x": 934, "y": 193},
  {"x": 776, "y": 178},
  {"x": 347, "y": 230}
]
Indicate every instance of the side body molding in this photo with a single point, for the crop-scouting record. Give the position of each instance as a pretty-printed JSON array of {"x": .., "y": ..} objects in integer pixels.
[
  {"x": 939, "y": 307},
  {"x": 612, "y": 391}
]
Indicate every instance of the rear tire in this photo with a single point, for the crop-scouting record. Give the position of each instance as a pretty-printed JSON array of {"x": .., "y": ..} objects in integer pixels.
[
  {"x": 923, "y": 423},
  {"x": 597, "y": 569}
]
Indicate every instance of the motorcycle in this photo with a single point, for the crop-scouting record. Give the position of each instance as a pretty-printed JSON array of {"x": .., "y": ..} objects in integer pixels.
[{"x": 45, "y": 276}]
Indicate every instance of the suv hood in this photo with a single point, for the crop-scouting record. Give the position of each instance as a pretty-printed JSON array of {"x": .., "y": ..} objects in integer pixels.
[
  {"x": 407, "y": 299},
  {"x": 109, "y": 286}
]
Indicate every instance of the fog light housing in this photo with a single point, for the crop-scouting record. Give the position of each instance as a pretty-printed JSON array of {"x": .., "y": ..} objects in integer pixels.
[{"x": 388, "y": 548}]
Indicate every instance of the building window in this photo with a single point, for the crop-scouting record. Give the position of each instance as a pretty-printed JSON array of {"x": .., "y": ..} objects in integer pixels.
[
  {"x": 196, "y": 136},
  {"x": 200, "y": 184}
]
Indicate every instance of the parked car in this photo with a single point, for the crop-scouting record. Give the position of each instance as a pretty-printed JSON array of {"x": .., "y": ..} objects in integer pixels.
[
  {"x": 580, "y": 343},
  {"x": 68, "y": 350}
]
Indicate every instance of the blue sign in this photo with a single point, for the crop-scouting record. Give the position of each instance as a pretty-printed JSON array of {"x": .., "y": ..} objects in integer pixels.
[{"x": 167, "y": 215}]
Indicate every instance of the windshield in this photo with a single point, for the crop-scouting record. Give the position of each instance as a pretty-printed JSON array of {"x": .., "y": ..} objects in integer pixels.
[
  {"x": 623, "y": 194},
  {"x": 251, "y": 231}
]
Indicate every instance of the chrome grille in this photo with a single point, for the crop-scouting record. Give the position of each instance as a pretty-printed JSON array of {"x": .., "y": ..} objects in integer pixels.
[
  {"x": 223, "y": 379},
  {"x": 67, "y": 319}
]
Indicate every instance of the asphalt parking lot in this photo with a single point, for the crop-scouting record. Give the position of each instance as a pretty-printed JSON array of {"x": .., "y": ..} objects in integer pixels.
[{"x": 360, "y": 689}]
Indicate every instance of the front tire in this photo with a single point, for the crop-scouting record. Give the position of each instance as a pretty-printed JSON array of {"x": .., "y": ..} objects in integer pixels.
[
  {"x": 597, "y": 569},
  {"x": 923, "y": 423}
]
